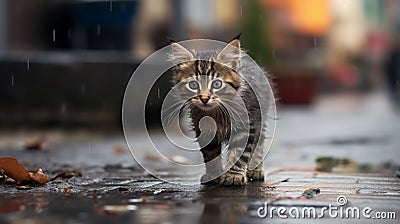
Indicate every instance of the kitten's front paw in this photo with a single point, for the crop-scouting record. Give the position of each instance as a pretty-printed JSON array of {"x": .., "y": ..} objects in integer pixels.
[
  {"x": 257, "y": 174},
  {"x": 206, "y": 179},
  {"x": 233, "y": 179}
]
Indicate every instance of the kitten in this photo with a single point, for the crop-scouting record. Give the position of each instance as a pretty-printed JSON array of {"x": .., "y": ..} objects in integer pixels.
[{"x": 210, "y": 82}]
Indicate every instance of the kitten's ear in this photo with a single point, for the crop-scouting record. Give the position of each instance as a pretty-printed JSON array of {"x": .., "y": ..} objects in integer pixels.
[
  {"x": 180, "y": 53},
  {"x": 230, "y": 54}
]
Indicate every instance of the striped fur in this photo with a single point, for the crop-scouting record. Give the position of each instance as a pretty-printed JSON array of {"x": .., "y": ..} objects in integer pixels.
[{"x": 197, "y": 74}]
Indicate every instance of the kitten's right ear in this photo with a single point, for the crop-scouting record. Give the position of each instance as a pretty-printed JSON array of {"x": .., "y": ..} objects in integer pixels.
[{"x": 180, "y": 54}]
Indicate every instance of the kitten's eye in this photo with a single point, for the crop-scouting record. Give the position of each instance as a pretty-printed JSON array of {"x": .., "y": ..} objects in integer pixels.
[
  {"x": 217, "y": 84},
  {"x": 193, "y": 85}
]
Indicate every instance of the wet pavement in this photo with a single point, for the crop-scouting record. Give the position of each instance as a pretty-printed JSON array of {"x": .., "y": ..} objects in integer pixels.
[{"x": 114, "y": 188}]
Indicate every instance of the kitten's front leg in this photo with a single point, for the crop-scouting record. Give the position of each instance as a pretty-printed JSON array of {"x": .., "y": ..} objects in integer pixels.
[
  {"x": 212, "y": 163},
  {"x": 236, "y": 175},
  {"x": 257, "y": 173}
]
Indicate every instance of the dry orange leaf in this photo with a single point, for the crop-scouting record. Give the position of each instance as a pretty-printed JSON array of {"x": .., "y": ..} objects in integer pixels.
[
  {"x": 39, "y": 176},
  {"x": 119, "y": 149},
  {"x": 36, "y": 144},
  {"x": 14, "y": 170},
  {"x": 17, "y": 172}
]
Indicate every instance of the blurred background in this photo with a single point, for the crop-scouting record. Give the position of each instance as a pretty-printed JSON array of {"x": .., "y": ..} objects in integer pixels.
[{"x": 65, "y": 64}]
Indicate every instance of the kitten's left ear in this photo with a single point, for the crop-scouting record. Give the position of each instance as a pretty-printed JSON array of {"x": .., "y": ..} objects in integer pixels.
[
  {"x": 230, "y": 54},
  {"x": 180, "y": 54}
]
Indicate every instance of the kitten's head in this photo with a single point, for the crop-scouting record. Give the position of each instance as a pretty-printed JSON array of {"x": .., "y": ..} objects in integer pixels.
[{"x": 206, "y": 79}]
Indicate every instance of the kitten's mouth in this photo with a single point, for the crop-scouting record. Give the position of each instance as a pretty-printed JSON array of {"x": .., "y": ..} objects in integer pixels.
[{"x": 206, "y": 107}]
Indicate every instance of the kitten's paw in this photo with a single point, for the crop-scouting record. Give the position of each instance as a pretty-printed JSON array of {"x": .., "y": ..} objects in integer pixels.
[
  {"x": 206, "y": 179},
  {"x": 233, "y": 179},
  {"x": 257, "y": 174}
]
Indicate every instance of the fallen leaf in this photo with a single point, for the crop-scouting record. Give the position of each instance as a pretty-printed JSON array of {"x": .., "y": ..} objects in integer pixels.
[
  {"x": 9, "y": 181},
  {"x": 14, "y": 170},
  {"x": 39, "y": 176},
  {"x": 67, "y": 189},
  {"x": 36, "y": 144},
  {"x": 153, "y": 157},
  {"x": 68, "y": 174},
  {"x": 119, "y": 149}
]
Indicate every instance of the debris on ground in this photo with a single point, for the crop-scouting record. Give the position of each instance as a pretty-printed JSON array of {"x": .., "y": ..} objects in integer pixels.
[
  {"x": 39, "y": 176},
  {"x": 68, "y": 174},
  {"x": 271, "y": 185},
  {"x": 331, "y": 164},
  {"x": 179, "y": 159},
  {"x": 119, "y": 149},
  {"x": 14, "y": 170},
  {"x": 311, "y": 192},
  {"x": 36, "y": 144},
  {"x": 152, "y": 157},
  {"x": 345, "y": 165}
]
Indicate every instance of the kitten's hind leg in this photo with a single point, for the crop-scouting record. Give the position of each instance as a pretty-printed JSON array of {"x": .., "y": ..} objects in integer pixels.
[{"x": 212, "y": 163}]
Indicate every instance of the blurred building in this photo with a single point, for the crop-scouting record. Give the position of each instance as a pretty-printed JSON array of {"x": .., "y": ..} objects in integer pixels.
[{"x": 75, "y": 57}]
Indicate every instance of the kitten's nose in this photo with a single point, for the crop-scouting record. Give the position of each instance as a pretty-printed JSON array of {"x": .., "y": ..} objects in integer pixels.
[{"x": 204, "y": 98}]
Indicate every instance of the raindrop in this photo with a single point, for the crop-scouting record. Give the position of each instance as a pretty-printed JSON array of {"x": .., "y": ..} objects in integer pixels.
[
  {"x": 69, "y": 34},
  {"x": 27, "y": 65},
  {"x": 241, "y": 9},
  {"x": 111, "y": 6},
  {"x": 54, "y": 35},
  {"x": 63, "y": 108},
  {"x": 98, "y": 29},
  {"x": 83, "y": 89},
  {"x": 158, "y": 93},
  {"x": 260, "y": 17},
  {"x": 12, "y": 80},
  {"x": 90, "y": 147},
  {"x": 315, "y": 42},
  {"x": 273, "y": 53}
]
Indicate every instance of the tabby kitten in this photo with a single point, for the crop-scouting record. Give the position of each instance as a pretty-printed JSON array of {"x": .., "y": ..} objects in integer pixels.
[{"x": 208, "y": 79}]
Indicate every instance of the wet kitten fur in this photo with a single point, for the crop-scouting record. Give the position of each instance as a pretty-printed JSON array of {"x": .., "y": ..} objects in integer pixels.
[{"x": 205, "y": 68}]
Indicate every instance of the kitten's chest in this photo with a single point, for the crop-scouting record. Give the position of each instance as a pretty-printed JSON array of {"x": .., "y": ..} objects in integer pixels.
[{"x": 211, "y": 122}]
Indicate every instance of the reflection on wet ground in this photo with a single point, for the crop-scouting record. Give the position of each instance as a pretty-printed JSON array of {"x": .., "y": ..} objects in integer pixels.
[
  {"x": 314, "y": 160},
  {"x": 147, "y": 200}
]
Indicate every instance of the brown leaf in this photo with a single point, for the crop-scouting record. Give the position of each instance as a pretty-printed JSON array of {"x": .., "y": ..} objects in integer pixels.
[
  {"x": 14, "y": 170},
  {"x": 119, "y": 149},
  {"x": 36, "y": 144},
  {"x": 152, "y": 157},
  {"x": 68, "y": 174},
  {"x": 39, "y": 176}
]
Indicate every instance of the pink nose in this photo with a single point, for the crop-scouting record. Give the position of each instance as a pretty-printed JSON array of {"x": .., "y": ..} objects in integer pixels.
[{"x": 204, "y": 98}]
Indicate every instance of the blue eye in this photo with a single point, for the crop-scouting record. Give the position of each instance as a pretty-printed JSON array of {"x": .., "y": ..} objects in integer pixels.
[
  {"x": 193, "y": 85},
  {"x": 217, "y": 84}
]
